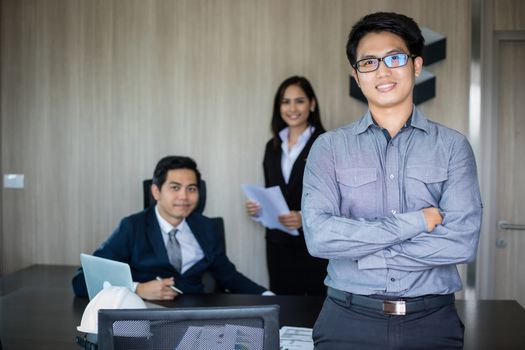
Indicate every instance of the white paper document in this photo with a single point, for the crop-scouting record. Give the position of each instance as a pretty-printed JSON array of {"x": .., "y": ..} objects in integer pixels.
[
  {"x": 272, "y": 204},
  {"x": 295, "y": 338}
]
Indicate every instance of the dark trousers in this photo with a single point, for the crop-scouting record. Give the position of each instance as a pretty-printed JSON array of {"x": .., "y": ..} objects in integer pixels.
[
  {"x": 343, "y": 326},
  {"x": 293, "y": 271}
]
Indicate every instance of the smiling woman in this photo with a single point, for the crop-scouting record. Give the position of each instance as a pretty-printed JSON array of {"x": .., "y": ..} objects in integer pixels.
[{"x": 296, "y": 123}]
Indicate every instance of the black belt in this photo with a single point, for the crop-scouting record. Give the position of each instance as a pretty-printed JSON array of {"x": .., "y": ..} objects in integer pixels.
[{"x": 393, "y": 307}]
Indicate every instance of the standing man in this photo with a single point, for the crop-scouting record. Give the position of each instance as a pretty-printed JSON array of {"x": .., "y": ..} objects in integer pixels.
[
  {"x": 393, "y": 202},
  {"x": 171, "y": 241}
]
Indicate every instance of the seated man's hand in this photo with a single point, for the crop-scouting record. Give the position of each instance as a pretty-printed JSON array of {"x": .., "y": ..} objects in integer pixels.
[
  {"x": 157, "y": 290},
  {"x": 432, "y": 217},
  {"x": 292, "y": 221}
]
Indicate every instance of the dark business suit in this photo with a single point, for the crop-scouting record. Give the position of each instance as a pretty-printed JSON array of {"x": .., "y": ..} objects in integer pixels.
[
  {"x": 291, "y": 269},
  {"x": 138, "y": 242}
]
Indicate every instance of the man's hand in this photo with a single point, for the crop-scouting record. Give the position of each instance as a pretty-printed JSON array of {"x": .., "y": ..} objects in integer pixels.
[
  {"x": 292, "y": 221},
  {"x": 432, "y": 217},
  {"x": 157, "y": 290},
  {"x": 252, "y": 208}
]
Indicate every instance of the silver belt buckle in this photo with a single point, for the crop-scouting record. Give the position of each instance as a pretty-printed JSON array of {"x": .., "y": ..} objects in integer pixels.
[{"x": 394, "y": 307}]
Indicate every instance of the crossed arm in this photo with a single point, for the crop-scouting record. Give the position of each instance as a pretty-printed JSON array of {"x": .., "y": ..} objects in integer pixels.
[{"x": 412, "y": 241}]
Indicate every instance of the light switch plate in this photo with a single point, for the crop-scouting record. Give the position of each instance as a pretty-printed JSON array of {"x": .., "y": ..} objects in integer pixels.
[{"x": 13, "y": 180}]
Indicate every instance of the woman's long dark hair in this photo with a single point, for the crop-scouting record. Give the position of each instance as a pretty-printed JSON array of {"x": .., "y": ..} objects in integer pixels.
[{"x": 314, "y": 118}]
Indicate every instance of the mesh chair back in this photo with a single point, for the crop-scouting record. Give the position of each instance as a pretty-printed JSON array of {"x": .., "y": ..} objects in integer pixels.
[{"x": 216, "y": 328}]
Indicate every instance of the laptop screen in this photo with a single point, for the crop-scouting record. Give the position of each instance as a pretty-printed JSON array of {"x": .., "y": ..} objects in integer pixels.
[{"x": 97, "y": 270}]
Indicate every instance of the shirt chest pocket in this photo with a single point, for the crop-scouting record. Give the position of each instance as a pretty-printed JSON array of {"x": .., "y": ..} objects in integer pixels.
[
  {"x": 358, "y": 189},
  {"x": 424, "y": 186}
]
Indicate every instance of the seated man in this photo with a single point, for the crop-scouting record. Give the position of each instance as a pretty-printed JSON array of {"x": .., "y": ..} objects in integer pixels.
[{"x": 170, "y": 240}]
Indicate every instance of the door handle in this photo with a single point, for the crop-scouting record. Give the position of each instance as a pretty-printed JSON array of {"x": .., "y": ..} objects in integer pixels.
[{"x": 503, "y": 225}]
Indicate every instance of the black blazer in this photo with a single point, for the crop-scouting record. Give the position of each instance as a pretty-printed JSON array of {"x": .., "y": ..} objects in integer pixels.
[
  {"x": 138, "y": 242},
  {"x": 292, "y": 192}
]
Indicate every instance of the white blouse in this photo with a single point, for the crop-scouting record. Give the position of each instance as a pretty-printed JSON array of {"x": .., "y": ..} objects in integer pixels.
[{"x": 288, "y": 157}]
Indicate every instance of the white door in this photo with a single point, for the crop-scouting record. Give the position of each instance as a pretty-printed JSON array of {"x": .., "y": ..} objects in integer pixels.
[{"x": 509, "y": 242}]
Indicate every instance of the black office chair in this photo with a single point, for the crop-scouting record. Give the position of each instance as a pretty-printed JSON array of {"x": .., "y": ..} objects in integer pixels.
[
  {"x": 210, "y": 284},
  {"x": 234, "y": 327}
]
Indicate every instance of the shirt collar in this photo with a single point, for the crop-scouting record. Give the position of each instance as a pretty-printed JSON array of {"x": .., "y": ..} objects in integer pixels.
[
  {"x": 283, "y": 134},
  {"x": 417, "y": 120},
  {"x": 165, "y": 226}
]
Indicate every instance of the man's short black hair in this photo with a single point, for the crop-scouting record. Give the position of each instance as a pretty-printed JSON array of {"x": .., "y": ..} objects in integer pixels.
[
  {"x": 401, "y": 25},
  {"x": 172, "y": 163}
]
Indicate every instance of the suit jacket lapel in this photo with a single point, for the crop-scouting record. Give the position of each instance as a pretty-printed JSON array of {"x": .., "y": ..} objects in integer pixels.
[
  {"x": 199, "y": 231},
  {"x": 276, "y": 164},
  {"x": 154, "y": 235},
  {"x": 299, "y": 164}
]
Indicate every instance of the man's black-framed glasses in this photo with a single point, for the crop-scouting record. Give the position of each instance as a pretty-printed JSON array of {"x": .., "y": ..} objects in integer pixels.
[{"x": 394, "y": 60}]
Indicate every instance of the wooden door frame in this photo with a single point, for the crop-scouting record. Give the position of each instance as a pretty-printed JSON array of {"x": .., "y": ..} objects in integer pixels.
[
  {"x": 2, "y": 263},
  {"x": 488, "y": 148}
]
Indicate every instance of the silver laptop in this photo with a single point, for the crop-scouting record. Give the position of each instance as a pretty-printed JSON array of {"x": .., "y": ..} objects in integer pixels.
[{"x": 97, "y": 270}]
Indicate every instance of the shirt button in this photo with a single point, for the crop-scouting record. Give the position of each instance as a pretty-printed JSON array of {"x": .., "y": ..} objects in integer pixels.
[
  {"x": 394, "y": 212},
  {"x": 392, "y": 176},
  {"x": 393, "y": 279}
]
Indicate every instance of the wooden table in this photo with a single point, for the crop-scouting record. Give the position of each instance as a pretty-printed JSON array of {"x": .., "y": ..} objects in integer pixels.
[{"x": 39, "y": 311}]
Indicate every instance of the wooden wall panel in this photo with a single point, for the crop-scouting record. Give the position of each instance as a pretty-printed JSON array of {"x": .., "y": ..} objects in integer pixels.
[
  {"x": 95, "y": 92},
  {"x": 509, "y": 15}
]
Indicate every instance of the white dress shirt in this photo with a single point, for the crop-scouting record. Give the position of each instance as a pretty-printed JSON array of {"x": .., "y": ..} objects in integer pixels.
[
  {"x": 289, "y": 156},
  {"x": 191, "y": 250}
]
